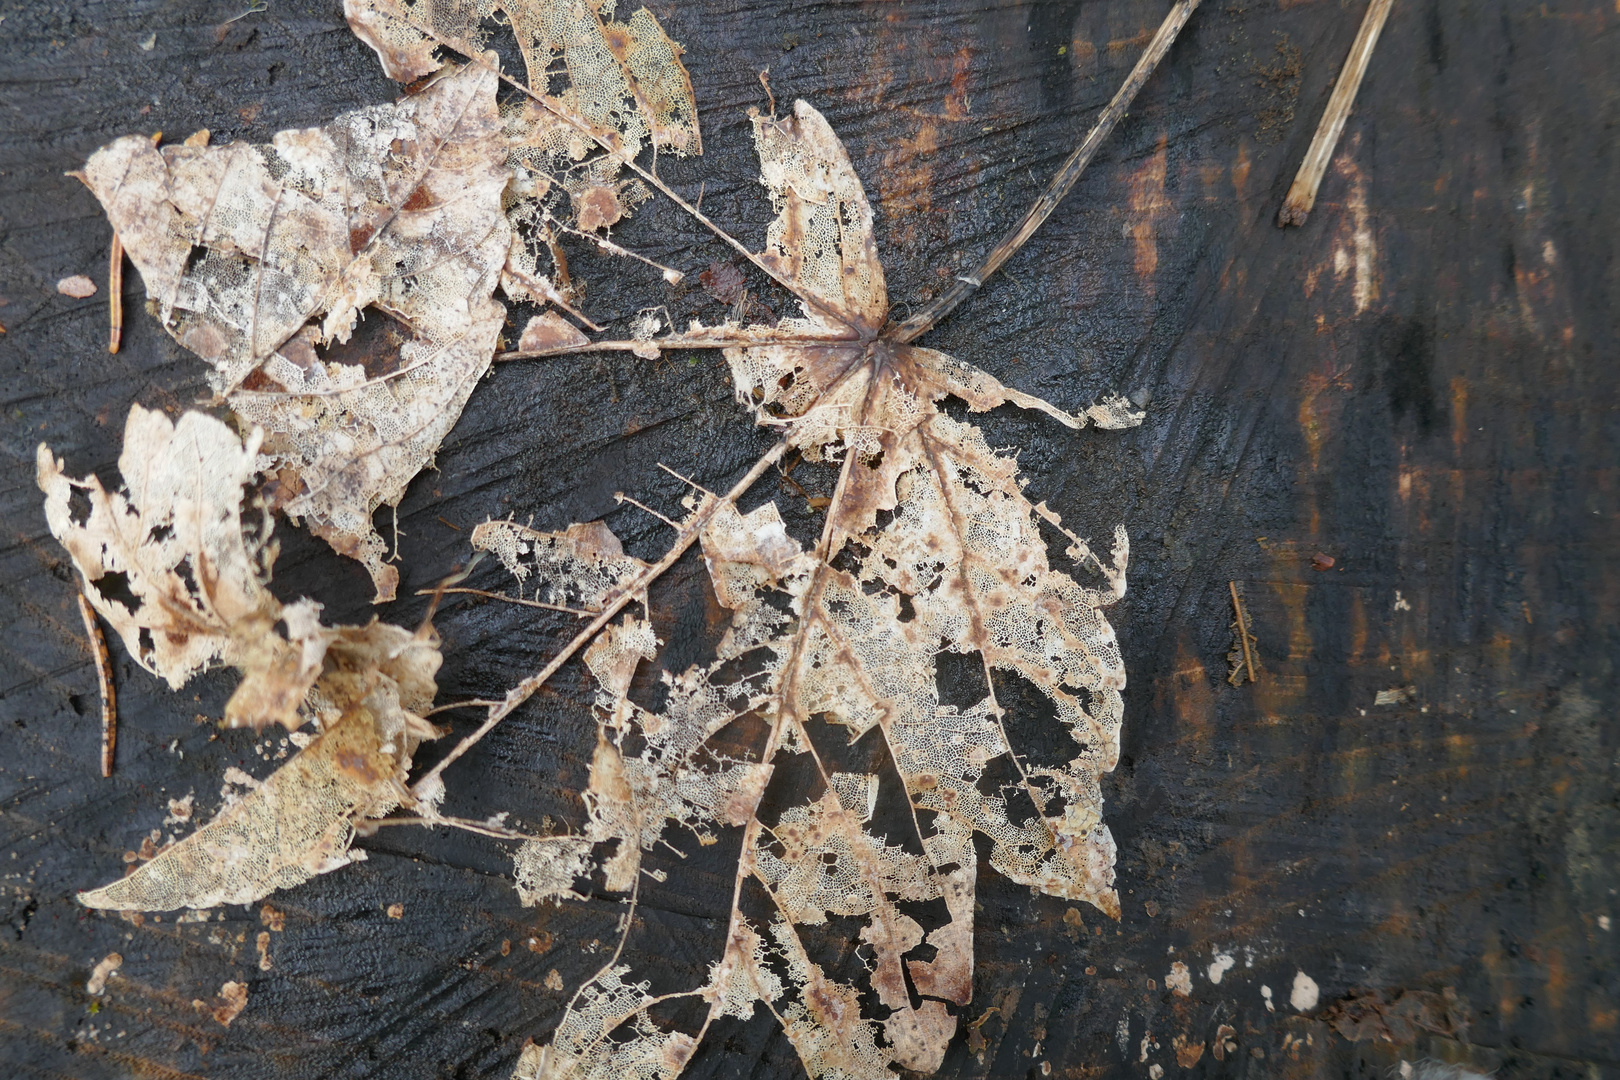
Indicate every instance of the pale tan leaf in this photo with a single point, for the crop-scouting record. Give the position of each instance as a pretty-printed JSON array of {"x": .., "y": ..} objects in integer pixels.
[
  {"x": 549, "y": 331},
  {"x": 546, "y": 868},
  {"x": 342, "y": 443},
  {"x": 177, "y": 543},
  {"x": 256, "y": 256},
  {"x": 929, "y": 545},
  {"x": 195, "y": 572},
  {"x": 578, "y": 568},
  {"x": 298, "y": 823},
  {"x": 600, "y": 92},
  {"x": 592, "y": 1042},
  {"x": 821, "y": 239}
]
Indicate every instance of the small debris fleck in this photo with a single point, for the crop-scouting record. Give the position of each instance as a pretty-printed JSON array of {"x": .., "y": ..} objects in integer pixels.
[
  {"x": 396, "y": 911},
  {"x": 263, "y": 943},
  {"x": 722, "y": 281},
  {"x": 1305, "y": 993},
  {"x": 98, "y": 975},
  {"x": 78, "y": 286},
  {"x": 1321, "y": 561},
  {"x": 149, "y": 43},
  {"x": 1179, "y": 980},
  {"x": 232, "y": 998},
  {"x": 273, "y": 918},
  {"x": 554, "y": 980}
]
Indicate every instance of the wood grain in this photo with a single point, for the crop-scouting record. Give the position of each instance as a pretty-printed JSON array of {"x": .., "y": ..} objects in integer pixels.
[{"x": 1417, "y": 383}]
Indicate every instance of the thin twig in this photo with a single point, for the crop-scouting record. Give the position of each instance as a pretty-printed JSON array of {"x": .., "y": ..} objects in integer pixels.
[
  {"x": 717, "y": 337},
  {"x": 671, "y": 275},
  {"x": 1242, "y": 628},
  {"x": 474, "y": 703},
  {"x": 643, "y": 507},
  {"x": 109, "y": 704},
  {"x": 429, "y": 784},
  {"x": 966, "y": 284},
  {"x": 1302, "y": 193},
  {"x": 511, "y": 600},
  {"x": 115, "y": 292},
  {"x": 482, "y": 828}
]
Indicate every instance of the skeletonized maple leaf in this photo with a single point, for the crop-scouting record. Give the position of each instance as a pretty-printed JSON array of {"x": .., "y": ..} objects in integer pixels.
[
  {"x": 172, "y": 569},
  {"x": 261, "y": 258},
  {"x": 929, "y": 546}
]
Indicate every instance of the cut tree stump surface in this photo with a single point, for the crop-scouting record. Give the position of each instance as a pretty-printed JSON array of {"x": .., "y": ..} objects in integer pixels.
[{"x": 1420, "y": 384}]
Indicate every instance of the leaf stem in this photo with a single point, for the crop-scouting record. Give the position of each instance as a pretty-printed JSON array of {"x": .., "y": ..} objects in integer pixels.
[
  {"x": 428, "y": 787},
  {"x": 1059, "y": 186}
]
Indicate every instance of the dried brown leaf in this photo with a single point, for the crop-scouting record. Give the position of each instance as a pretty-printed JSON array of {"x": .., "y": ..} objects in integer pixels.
[
  {"x": 929, "y": 546},
  {"x": 259, "y": 256},
  {"x": 600, "y": 92},
  {"x": 550, "y": 331},
  {"x": 174, "y": 570},
  {"x": 177, "y": 544}
]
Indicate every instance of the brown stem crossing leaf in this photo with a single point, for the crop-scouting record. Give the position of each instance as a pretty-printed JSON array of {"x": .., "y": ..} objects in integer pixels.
[{"x": 929, "y": 546}]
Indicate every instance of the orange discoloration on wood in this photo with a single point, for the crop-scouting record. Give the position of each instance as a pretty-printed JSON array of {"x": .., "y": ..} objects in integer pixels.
[
  {"x": 1358, "y": 628},
  {"x": 1240, "y": 172},
  {"x": 1459, "y": 413},
  {"x": 1148, "y": 207},
  {"x": 1192, "y": 700},
  {"x": 1319, "y": 408},
  {"x": 956, "y": 102},
  {"x": 1283, "y": 692},
  {"x": 906, "y": 183}
]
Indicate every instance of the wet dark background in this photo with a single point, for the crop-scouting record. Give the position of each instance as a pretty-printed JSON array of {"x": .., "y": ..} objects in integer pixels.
[{"x": 1420, "y": 384}]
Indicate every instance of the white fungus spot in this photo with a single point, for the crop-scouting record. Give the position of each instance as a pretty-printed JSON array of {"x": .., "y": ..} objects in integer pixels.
[
  {"x": 1305, "y": 993},
  {"x": 1223, "y": 963}
]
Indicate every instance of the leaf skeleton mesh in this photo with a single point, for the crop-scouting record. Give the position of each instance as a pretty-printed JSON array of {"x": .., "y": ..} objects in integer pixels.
[
  {"x": 394, "y": 206},
  {"x": 574, "y": 568},
  {"x": 296, "y": 824}
]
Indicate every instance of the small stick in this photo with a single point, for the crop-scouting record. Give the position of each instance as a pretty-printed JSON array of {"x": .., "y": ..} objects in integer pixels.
[
  {"x": 508, "y": 600},
  {"x": 1058, "y": 187},
  {"x": 109, "y": 704},
  {"x": 1302, "y": 194},
  {"x": 431, "y": 788},
  {"x": 482, "y": 828},
  {"x": 115, "y": 292},
  {"x": 1242, "y": 629}
]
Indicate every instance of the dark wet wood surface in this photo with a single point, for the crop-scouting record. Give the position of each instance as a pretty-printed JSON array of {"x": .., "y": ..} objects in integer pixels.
[{"x": 1420, "y": 384}]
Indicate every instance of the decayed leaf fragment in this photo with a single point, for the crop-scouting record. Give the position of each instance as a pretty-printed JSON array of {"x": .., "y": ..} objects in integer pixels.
[
  {"x": 177, "y": 546},
  {"x": 930, "y": 546},
  {"x": 259, "y": 257},
  {"x": 600, "y": 91}
]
